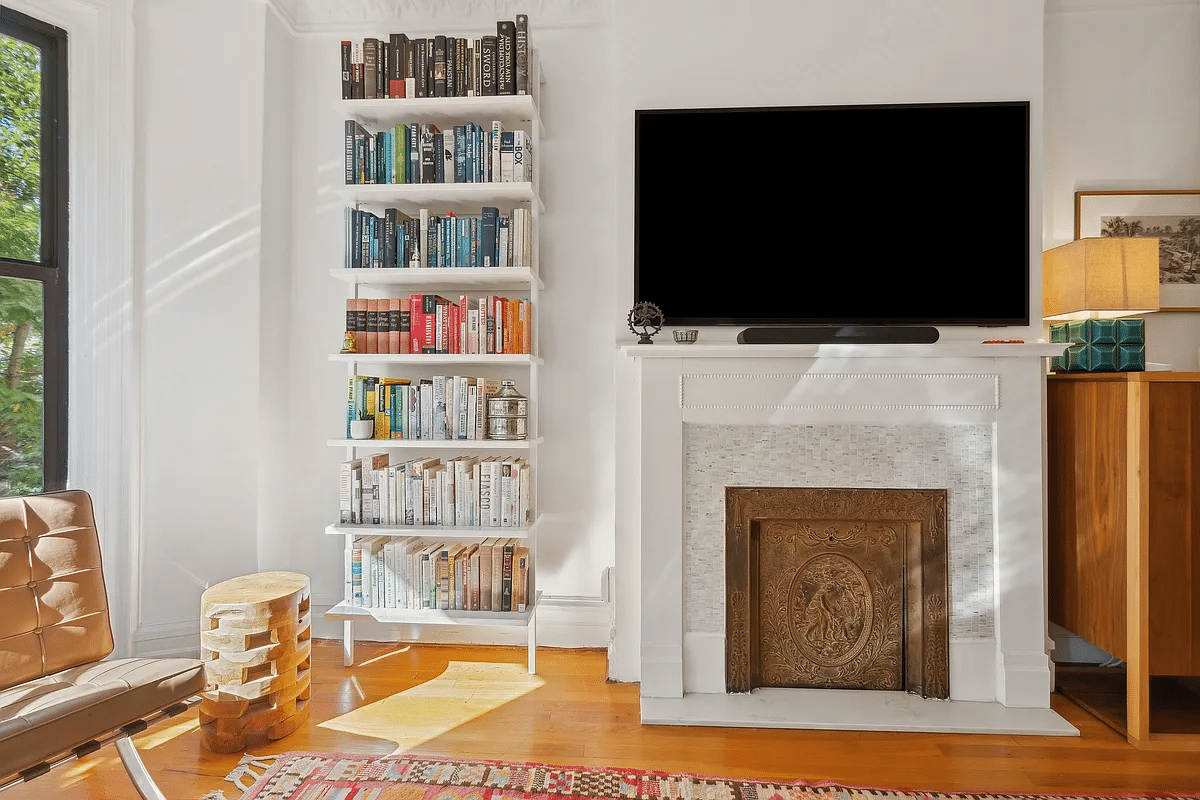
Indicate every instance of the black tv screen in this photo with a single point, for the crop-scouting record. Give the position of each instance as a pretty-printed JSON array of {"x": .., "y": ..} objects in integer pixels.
[{"x": 834, "y": 215}]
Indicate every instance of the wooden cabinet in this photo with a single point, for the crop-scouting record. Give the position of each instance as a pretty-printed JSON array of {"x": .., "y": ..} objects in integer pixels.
[{"x": 1123, "y": 539}]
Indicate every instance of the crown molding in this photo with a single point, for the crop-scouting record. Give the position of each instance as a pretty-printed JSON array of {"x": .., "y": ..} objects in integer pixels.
[
  {"x": 327, "y": 16},
  {"x": 1079, "y": 6}
]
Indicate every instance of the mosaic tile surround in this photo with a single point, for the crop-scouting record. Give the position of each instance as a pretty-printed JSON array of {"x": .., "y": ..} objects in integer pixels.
[{"x": 957, "y": 458}]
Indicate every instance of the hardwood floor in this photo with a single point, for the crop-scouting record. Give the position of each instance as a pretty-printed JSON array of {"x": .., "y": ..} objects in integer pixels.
[{"x": 476, "y": 702}]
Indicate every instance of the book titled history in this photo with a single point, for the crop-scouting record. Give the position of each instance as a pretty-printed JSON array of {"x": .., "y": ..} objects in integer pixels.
[{"x": 521, "y": 55}]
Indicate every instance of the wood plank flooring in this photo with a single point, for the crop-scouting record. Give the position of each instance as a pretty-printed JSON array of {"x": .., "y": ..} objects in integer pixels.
[{"x": 477, "y": 702}]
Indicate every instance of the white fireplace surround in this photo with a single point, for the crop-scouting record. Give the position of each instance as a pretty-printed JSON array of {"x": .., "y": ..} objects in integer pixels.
[{"x": 1000, "y": 672}]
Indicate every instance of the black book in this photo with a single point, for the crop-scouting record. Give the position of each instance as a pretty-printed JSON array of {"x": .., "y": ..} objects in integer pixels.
[
  {"x": 521, "y": 55},
  {"x": 439, "y": 66},
  {"x": 460, "y": 67},
  {"x": 350, "y": 134},
  {"x": 487, "y": 236},
  {"x": 451, "y": 67},
  {"x": 421, "y": 66},
  {"x": 388, "y": 243},
  {"x": 506, "y": 44},
  {"x": 430, "y": 155},
  {"x": 354, "y": 251},
  {"x": 347, "y": 68},
  {"x": 397, "y": 64},
  {"x": 487, "y": 65},
  {"x": 370, "y": 68},
  {"x": 381, "y": 83},
  {"x": 439, "y": 158},
  {"x": 356, "y": 72}
]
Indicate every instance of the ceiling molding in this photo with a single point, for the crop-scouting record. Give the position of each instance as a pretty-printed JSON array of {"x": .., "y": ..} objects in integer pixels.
[
  {"x": 323, "y": 16},
  {"x": 1078, "y": 6}
]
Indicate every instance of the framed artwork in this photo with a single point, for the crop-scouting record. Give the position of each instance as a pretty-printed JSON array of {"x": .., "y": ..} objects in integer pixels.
[{"x": 1171, "y": 215}]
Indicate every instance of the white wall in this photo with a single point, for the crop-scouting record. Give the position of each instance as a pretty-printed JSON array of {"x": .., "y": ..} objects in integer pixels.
[
  {"x": 197, "y": 198},
  {"x": 767, "y": 53},
  {"x": 235, "y": 123},
  {"x": 1123, "y": 112}
]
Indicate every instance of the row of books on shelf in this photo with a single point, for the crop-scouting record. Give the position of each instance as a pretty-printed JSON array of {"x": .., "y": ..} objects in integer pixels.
[
  {"x": 422, "y": 152},
  {"x": 440, "y": 407},
  {"x": 395, "y": 240},
  {"x": 468, "y": 491},
  {"x": 417, "y": 573},
  {"x": 439, "y": 65},
  {"x": 435, "y": 325}
]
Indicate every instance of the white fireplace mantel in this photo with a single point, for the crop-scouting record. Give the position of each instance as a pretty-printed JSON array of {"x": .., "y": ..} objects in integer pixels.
[{"x": 997, "y": 684}]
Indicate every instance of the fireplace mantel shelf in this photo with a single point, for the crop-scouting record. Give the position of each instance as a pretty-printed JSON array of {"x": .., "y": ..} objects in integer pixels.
[{"x": 1036, "y": 349}]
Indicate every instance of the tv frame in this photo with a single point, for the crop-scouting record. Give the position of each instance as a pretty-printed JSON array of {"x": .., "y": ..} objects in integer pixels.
[{"x": 862, "y": 323}]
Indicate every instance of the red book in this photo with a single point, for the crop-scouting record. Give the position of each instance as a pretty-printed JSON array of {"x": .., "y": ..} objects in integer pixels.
[{"x": 416, "y": 323}]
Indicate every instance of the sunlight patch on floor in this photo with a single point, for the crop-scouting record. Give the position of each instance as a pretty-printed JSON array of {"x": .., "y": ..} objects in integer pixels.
[
  {"x": 156, "y": 736},
  {"x": 463, "y": 692}
]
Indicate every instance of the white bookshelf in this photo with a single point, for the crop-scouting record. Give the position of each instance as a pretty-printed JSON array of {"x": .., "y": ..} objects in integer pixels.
[{"x": 514, "y": 112}]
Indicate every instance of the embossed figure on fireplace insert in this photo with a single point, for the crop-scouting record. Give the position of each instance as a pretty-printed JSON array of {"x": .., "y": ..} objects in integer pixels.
[{"x": 836, "y": 589}]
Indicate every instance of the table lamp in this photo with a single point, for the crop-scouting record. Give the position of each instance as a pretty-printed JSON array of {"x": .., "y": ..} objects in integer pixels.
[{"x": 1090, "y": 289}]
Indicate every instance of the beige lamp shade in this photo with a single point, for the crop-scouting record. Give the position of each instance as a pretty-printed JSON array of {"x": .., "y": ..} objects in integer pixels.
[{"x": 1107, "y": 276}]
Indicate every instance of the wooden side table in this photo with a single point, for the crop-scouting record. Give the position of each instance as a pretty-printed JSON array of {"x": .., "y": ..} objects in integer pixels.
[
  {"x": 255, "y": 640},
  {"x": 1123, "y": 533}
]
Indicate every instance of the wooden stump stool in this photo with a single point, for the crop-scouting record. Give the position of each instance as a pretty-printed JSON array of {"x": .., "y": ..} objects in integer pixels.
[{"x": 255, "y": 640}]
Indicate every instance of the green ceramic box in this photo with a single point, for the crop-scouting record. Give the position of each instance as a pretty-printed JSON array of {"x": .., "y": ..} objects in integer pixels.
[{"x": 1100, "y": 345}]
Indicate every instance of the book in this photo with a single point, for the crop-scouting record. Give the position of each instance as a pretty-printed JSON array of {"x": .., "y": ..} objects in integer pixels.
[
  {"x": 506, "y": 581},
  {"x": 506, "y": 44},
  {"x": 370, "y": 68},
  {"x": 487, "y": 65},
  {"x": 521, "y": 55},
  {"x": 451, "y": 66},
  {"x": 347, "y": 50},
  {"x": 397, "y": 65},
  {"x": 520, "y": 580},
  {"x": 347, "y": 473},
  {"x": 498, "y": 574},
  {"x": 439, "y": 66},
  {"x": 429, "y": 152},
  {"x": 487, "y": 237},
  {"x": 403, "y": 325},
  {"x": 486, "y": 550}
]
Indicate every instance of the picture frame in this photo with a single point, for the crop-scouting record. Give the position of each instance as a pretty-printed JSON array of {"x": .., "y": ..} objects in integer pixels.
[{"x": 1148, "y": 212}]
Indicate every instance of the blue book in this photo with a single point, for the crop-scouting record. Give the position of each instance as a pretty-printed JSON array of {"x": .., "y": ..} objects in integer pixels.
[
  {"x": 460, "y": 153},
  {"x": 488, "y": 237}
]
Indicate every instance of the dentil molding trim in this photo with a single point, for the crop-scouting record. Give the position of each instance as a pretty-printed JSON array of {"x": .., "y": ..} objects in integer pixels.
[{"x": 319, "y": 16}]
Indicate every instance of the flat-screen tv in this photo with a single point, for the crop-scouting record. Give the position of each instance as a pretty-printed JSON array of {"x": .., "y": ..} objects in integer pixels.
[{"x": 863, "y": 215}]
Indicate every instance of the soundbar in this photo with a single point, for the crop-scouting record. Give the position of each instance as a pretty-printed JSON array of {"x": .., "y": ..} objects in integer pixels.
[{"x": 839, "y": 334}]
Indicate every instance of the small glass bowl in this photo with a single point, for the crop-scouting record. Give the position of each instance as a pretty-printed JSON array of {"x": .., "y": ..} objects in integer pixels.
[{"x": 687, "y": 336}]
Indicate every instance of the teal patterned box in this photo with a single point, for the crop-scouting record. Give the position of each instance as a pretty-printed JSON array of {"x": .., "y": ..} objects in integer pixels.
[{"x": 1100, "y": 345}]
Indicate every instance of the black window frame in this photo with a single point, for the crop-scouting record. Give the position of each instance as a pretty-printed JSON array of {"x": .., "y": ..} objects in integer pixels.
[{"x": 52, "y": 268}]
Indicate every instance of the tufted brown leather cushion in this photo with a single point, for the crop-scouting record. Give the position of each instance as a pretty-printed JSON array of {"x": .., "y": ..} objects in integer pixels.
[
  {"x": 53, "y": 606},
  {"x": 51, "y": 714}
]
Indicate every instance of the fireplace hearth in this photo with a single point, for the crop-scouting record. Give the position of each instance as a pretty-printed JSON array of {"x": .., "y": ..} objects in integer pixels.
[{"x": 831, "y": 588}]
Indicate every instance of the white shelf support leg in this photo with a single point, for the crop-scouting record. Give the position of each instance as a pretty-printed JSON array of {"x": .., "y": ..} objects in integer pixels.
[
  {"x": 532, "y": 629},
  {"x": 348, "y": 643}
]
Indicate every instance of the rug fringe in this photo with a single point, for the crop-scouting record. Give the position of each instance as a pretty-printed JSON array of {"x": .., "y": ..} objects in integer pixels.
[{"x": 244, "y": 775}]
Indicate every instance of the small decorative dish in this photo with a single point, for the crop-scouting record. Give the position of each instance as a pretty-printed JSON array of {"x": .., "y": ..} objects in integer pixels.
[{"x": 687, "y": 336}]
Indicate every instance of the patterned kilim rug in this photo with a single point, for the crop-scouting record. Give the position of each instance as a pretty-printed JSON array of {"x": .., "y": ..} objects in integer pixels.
[{"x": 342, "y": 776}]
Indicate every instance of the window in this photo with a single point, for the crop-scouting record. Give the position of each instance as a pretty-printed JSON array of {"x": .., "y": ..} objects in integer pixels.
[{"x": 33, "y": 255}]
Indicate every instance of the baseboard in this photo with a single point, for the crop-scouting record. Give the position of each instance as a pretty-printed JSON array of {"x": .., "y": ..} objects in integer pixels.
[
  {"x": 168, "y": 640},
  {"x": 567, "y": 622}
]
